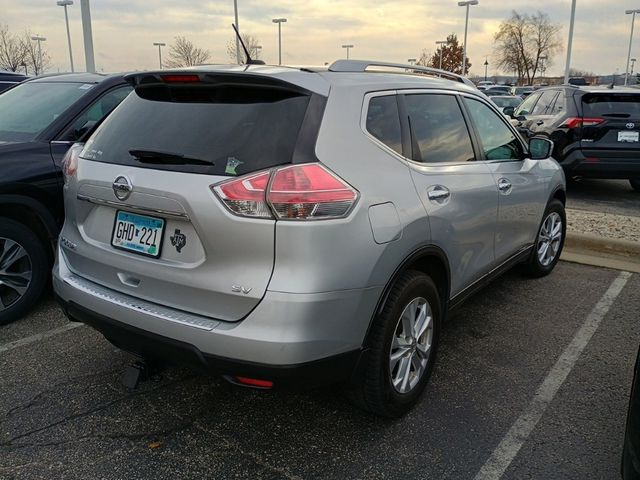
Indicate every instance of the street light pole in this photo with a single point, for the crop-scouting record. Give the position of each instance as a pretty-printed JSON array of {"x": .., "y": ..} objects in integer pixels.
[
  {"x": 256, "y": 51},
  {"x": 570, "y": 44},
  {"x": 39, "y": 39},
  {"x": 633, "y": 62},
  {"x": 412, "y": 61},
  {"x": 441, "y": 44},
  {"x": 279, "y": 21},
  {"x": 347, "y": 47},
  {"x": 633, "y": 21},
  {"x": 160, "y": 45},
  {"x": 467, "y": 4},
  {"x": 85, "y": 11},
  {"x": 486, "y": 66},
  {"x": 235, "y": 10},
  {"x": 543, "y": 58},
  {"x": 65, "y": 4}
]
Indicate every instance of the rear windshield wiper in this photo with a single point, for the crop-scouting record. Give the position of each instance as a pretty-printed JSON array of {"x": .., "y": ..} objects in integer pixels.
[{"x": 166, "y": 158}]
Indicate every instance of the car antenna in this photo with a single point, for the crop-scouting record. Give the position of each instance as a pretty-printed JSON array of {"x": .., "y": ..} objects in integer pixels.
[{"x": 250, "y": 61}]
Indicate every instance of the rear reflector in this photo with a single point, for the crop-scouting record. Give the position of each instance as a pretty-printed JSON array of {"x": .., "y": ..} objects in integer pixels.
[
  {"x": 70, "y": 161},
  {"x": 253, "y": 382},
  {"x": 577, "y": 122},
  {"x": 180, "y": 78},
  {"x": 297, "y": 192}
]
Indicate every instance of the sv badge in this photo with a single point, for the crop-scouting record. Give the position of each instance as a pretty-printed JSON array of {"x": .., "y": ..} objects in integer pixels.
[
  {"x": 240, "y": 289},
  {"x": 178, "y": 240}
]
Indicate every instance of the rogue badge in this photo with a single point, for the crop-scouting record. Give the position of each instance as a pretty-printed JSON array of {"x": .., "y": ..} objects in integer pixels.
[{"x": 178, "y": 240}]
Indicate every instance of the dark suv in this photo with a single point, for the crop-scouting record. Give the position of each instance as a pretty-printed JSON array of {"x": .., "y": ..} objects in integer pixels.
[
  {"x": 9, "y": 79},
  {"x": 39, "y": 120},
  {"x": 596, "y": 131}
]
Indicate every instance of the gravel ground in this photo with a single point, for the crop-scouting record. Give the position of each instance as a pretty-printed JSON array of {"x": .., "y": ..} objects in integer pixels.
[{"x": 604, "y": 224}]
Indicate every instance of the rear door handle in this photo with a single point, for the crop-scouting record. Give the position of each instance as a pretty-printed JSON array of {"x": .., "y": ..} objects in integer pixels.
[
  {"x": 504, "y": 185},
  {"x": 439, "y": 193}
]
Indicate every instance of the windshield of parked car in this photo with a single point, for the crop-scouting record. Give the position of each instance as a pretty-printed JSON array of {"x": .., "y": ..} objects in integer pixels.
[
  {"x": 28, "y": 109},
  {"x": 503, "y": 102}
]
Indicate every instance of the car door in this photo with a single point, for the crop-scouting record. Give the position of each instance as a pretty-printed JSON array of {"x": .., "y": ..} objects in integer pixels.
[
  {"x": 518, "y": 179},
  {"x": 541, "y": 116},
  {"x": 91, "y": 115},
  {"x": 458, "y": 194}
]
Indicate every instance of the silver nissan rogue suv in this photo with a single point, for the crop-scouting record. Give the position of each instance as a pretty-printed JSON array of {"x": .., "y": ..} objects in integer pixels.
[{"x": 301, "y": 226}]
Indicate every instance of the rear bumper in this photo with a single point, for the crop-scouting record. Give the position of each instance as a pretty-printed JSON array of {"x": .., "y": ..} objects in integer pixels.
[
  {"x": 313, "y": 338},
  {"x": 602, "y": 164}
]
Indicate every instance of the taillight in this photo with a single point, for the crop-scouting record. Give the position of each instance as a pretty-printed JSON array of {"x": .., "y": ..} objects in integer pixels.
[
  {"x": 70, "y": 161},
  {"x": 245, "y": 196},
  {"x": 577, "y": 122},
  {"x": 297, "y": 192},
  {"x": 309, "y": 191}
]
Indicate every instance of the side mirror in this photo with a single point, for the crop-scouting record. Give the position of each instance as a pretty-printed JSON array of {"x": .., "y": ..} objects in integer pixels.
[
  {"x": 84, "y": 129},
  {"x": 540, "y": 148},
  {"x": 508, "y": 111}
]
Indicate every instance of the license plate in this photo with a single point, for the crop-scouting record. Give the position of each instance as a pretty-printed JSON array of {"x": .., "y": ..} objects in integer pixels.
[
  {"x": 628, "y": 137},
  {"x": 138, "y": 233}
]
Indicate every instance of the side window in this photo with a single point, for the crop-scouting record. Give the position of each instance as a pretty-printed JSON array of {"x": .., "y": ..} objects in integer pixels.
[
  {"x": 99, "y": 109},
  {"x": 498, "y": 141},
  {"x": 438, "y": 129},
  {"x": 561, "y": 104},
  {"x": 543, "y": 107},
  {"x": 526, "y": 107},
  {"x": 383, "y": 121}
]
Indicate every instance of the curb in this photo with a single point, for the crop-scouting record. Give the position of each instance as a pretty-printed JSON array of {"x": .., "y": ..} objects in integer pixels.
[{"x": 602, "y": 252}]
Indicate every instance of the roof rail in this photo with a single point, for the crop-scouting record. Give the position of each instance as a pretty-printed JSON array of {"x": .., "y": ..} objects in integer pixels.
[{"x": 362, "y": 65}]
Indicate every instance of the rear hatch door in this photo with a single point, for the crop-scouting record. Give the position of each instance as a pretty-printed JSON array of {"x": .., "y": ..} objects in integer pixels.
[{"x": 142, "y": 210}]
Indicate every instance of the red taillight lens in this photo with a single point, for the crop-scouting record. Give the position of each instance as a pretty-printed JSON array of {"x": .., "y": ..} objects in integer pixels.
[
  {"x": 577, "y": 122},
  {"x": 254, "y": 382},
  {"x": 309, "y": 191},
  {"x": 245, "y": 196},
  {"x": 70, "y": 161},
  {"x": 180, "y": 78},
  {"x": 297, "y": 192}
]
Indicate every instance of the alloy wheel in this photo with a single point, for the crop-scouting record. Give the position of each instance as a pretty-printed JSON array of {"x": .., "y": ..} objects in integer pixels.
[
  {"x": 411, "y": 345},
  {"x": 549, "y": 239},
  {"x": 15, "y": 272}
]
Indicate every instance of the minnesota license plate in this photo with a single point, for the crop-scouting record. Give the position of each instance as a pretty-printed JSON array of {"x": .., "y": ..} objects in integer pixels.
[
  {"x": 138, "y": 233},
  {"x": 629, "y": 137}
]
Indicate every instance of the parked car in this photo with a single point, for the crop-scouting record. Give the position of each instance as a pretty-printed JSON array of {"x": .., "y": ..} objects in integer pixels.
[
  {"x": 484, "y": 84},
  {"x": 288, "y": 226},
  {"x": 596, "y": 130},
  {"x": 630, "y": 453},
  {"x": 9, "y": 79},
  {"x": 498, "y": 90},
  {"x": 522, "y": 92},
  {"x": 506, "y": 101},
  {"x": 578, "y": 81},
  {"x": 39, "y": 120}
]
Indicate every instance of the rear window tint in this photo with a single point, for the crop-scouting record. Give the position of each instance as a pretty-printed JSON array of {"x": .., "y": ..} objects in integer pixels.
[
  {"x": 383, "y": 121},
  {"x": 230, "y": 130},
  {"x": 595, "y": 105}
]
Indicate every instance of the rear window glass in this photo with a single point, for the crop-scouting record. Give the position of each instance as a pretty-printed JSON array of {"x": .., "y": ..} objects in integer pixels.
[
  {"x": 611, "y": 104},
  {"x": 383, "y": 121},
  {"x": 219, "y": 131},
  {"x": 28, "y": 109}
]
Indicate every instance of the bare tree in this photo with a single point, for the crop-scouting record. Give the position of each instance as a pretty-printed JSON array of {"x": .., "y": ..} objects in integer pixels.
[
  {"x": 12, "y": 51},
  {"x": 252, "y": 43},
  {"x": 452, "y": 53},
  {"x": 38, "y": 61},
  {"x": 183, "y": 53},
  {"x": 523, "y": 42}
]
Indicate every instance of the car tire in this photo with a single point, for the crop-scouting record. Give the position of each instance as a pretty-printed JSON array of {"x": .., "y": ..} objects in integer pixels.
[
  {"x": 379, "y": 386},
  {"x": 549, "y": 241},
  {"x": 635, "y": 184},
  {"x": 24, "y": 270}
]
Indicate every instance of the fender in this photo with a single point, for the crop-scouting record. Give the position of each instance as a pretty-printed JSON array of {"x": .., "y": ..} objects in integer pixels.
[{"x": 40, "y": 210}]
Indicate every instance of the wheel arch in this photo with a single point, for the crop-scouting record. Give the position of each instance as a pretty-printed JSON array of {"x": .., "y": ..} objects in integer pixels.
[{"x": 32, "y": 214}]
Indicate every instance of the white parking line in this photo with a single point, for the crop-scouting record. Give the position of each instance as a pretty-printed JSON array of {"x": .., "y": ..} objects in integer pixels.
[
  {"x": 38, "y": 336},
  {"x": 517, "y": 435}
]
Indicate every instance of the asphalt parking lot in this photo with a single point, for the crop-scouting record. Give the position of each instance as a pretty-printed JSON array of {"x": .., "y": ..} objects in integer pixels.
[
  {"x": 605, "y": 196},
  {"x": 65, "y": 414}
]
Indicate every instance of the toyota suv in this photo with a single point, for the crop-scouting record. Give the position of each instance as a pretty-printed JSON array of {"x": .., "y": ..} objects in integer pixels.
[{"x": 286, "y": 226}]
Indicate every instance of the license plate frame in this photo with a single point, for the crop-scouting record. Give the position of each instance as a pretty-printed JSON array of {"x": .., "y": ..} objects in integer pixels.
[
  {"x": 128, "y": 217},
  {"x": 628, "y": 136}
]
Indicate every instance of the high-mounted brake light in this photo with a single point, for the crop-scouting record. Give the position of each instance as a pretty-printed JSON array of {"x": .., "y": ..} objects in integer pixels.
[
  {"x": 296, "y": 192},
  {"x": 70, "y": 161},
  {"x": 577, "y": 122},
  {"x": 180, "y": 78}
]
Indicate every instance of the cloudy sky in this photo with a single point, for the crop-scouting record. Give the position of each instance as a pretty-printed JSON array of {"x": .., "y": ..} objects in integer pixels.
[{"x": 124, "y": 30}]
